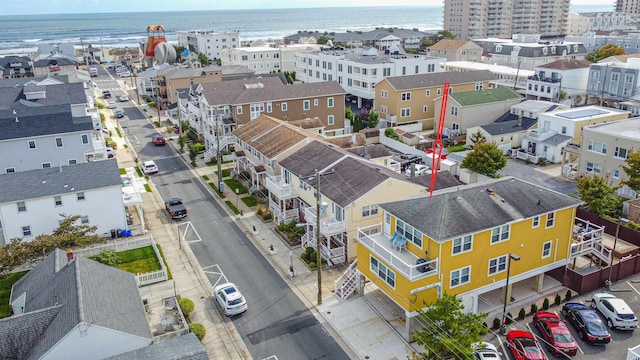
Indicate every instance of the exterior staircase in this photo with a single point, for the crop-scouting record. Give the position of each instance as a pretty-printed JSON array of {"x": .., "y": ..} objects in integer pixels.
[
  {"x": 211, "y": 152},
  {"x": 347, "y": 283}
]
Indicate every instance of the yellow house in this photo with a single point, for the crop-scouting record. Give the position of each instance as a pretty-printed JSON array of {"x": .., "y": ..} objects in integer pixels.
[
  {"x": 459, "y": 242},
  {"x": 350, "y": 190},
  {"x": 403, "y": 100}
]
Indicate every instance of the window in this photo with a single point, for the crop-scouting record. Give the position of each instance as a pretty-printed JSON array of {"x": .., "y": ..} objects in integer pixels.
[
  {"x": 405, "y": 112},
  {"x": 404, "y": 70},
  {"x": 330, "y": 102},
  {"x": 425, "y": 108},
  {"x": 315, "y": 102},
  {"x": 239, "y": 109},
  {"x": 10, "y": 170},
  {"x": 546, "y": 249},
  {"x": 383, "y": 272},
  {"x": 59, "y": 142},
  {"x": 479, "y": 86},
  {"x": 306, "y": 105},
  {"x": 594, "y": 168},
  {"x": 269, "y": 107},
  {"x": 616, "y": 174},
  {"x": 497, "y": 265},
  {"x": 462, "y": 244},
  {"x": 501, "y": 233},
  {"x": 330, "y": 120},
  {"x": 460, "y": 276},
  {"x": 46, "y": 165},
  {"x": 417, "y": 69},
  {"x": 85, "y": 139},
  {"x": 454, "y": 110},
  {"x": 620, "y": 153},
  {"x": 409, "y": 232},
  {"x": 406, "y": 96},
  {"x": 564, "y": 130},
  {"x": 383, "y": 109},
  {"x": 369, "y": 210},
  {"x": 597, "y": 147},
  {"x": 73, "y": 162},
  {"x": 26, "y": 231},
  {"x": 21, "y": 206},
  {"x": 80, "y": 196},
  {"x": 428, "y": 93},
  {"x": 535, "y": 222},
  {"x": 384, "y": 93},
  {"x": 84, "y": 219},
  {"x": 32, "y": 144},
  {"x": 551, "y": 218},
  {"x": 283, "y": 106},
  {"x": 58, "y": 200},
  {"x": 438, "y": 91}
]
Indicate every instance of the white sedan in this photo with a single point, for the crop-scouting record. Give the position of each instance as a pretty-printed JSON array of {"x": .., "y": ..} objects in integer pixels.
[
  {"x": 230, "y": 299},
  {"x": 124, "y": 98}
]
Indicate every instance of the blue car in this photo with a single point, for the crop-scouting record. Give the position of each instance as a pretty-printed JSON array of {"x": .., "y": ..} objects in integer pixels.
[{"x": 588, "y": 324}]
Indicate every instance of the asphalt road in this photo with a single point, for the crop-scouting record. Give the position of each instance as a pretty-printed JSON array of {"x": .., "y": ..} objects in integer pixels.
[{"x": 277, "y": 322}]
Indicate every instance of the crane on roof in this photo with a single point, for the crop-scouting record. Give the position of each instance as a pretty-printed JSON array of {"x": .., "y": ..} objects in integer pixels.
[{"x": 438, "y": 144}]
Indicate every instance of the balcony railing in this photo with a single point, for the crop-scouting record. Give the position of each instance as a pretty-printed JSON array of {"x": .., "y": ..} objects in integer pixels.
[
  {"x": 587, "y": 240},
  {"x": 543, "y": 79},
  {"x": 278, "y": 187},
  {"x": 403, "y": 262},
  {"x": 540, "y": 134},
  {"x": 328, "y": 224},
  {"x": 572, "y": 148}
]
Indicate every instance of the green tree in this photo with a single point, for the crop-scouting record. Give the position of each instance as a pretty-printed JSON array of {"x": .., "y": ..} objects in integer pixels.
[
  {"x": 477, "y": 137},
  {"x": 108, "y": 257},
  {"x": 604, "y": 52},
  {"x": 373, "y": 119},
  {"x": 450, "y": 331},
  {"x": 357, "y": 124},
  {"x": 485, "y": 159},
  {"x": 632, "y": 169},
  {"x": 323, "y": 39},
  {"x": 186, "y": 305},
  {"x": 445, "y": 34},
  {"x": 204, "y": 59},
  {"x": 348, "y": 113},
  {"x": 598, "y": 195}
]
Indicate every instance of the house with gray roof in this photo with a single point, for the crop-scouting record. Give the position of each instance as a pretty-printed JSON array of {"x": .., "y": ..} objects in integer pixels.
[
  {"x": 185, "y": 347},
  {"x": 16, "y": 67},
  {"x": 31, "y": 201},
  {"x": 71, "y": 307},
  {"x": 54, "y": 66},
  {"x": 409, "y": 38}
]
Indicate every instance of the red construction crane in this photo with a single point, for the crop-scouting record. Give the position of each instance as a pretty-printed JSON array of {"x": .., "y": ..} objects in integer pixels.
[{"x": 436, "y": 151}]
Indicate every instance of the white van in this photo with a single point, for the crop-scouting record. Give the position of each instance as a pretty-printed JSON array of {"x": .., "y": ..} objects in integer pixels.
[{"x": 93, "y": 71}]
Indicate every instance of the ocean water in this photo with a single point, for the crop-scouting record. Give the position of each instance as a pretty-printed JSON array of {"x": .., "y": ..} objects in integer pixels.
[{"x": 26, "y": 32}]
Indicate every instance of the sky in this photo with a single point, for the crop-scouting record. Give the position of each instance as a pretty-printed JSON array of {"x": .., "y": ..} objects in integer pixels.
[{"x": 33, "y": 7}]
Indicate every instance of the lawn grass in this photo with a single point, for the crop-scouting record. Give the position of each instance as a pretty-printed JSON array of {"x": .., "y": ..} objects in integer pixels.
[
  {"x": 139, "y": 261},
  {"x": 233, "y": 184},
  {"x": 232, "y": 207},
  {"x": 139, "y": 172},
  {"x": 225, "y": 173},
  {"x": 123, "y": 171},
  {"x": 215, "y": 188},
  {"x": 250, "y": 201},
  {"x": 147, "y": 187},
  {"x": 205, "y": 177},
  {"x": 457, "y": 148},
  {"x": 5, "y": 292}
]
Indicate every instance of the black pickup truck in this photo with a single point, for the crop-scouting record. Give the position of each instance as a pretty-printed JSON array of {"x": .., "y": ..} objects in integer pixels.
[{"x": 175, "y": 208}]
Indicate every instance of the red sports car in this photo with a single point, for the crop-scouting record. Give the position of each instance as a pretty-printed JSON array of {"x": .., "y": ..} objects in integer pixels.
[
  {"x": 555, "y": 333},
  {"x": 523, "y": 346}
]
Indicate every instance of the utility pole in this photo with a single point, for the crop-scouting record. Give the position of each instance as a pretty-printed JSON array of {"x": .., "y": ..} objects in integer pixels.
[
  {"x": 318, "y": 249},
  {"x": 218, "y": 159}
]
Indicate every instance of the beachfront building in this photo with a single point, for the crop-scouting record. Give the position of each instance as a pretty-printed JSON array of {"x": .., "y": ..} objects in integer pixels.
[
  {"x": 611, "y": 82},
  {"x": 470, "y": 19},
  {"x": 630, "y": 41},
  {"x": 409, "y": 101},
  {"x": 456, "y": 50},
  {"x": 605, "y": 148},
  {"x": 378, "y": 37},
  {"x": 16, "y": 67},
  {"x": 265, "y": 58},
  {"x": 208, "y": 42},
  {"x": 505, "y": 75},
  {"x": 359, "y": 70},
  {"x": 419, "y": 249},
  {"x": 525, "y": 52},
  {"x": 562, "y": 81}
]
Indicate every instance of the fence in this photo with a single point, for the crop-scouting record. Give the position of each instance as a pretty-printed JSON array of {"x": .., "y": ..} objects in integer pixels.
[{"x": 582, "y": 283}]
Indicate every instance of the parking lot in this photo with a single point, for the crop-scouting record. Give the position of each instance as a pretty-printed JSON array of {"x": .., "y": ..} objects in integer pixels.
[{"x": 628, "y": 290}]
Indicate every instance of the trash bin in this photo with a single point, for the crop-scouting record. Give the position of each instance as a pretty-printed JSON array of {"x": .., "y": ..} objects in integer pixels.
[
  {"x": 422, "y": 268},
  {"x": 119, "y": 232},
  {"x": 113, "y": 233}
]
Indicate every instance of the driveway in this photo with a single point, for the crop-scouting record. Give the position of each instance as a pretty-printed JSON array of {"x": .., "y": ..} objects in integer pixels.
[{"x": 547, "y": 176}]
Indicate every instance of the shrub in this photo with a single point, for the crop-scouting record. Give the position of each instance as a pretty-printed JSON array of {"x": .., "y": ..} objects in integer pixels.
[
  {"x": 558, "y": 299},
  {"x": 485, "y": 329},
  {"x": 198, "y": 330},
  {"x": 309, "y": 250},
  {"x": 496, "y": 323},
  {"x": 107, "y": 257},
  {"x": 568, "y": 295},
  {"x": 522, "y": 314},
  {"x": 313, "y": 265},
  {"x": 205, "y": 177},
  {"x": 509, "y": 319},
  {"x": 305, "y": 257},
  {"x": 534, "y": 308},
  {"x": 545, "y": 304},
  {"x": 186, "y": 305}
]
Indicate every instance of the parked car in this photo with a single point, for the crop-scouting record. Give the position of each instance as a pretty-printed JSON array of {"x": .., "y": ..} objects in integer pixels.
[
  {"x": 158, "y": 140},
  {"x": 106, "y": 94},
  {"x": 524, "y": 346},
  {"x": 486, "y": 351},
  {"x": 617, "y": 314},
  {"x": 112, "y": 105},
  {"x": 419, "y": 169},
  {"x": 123, "y": 98},
  {"x": 110, "y": 152},
  {"x": 149, "y": 167},
  {"x": 175, "y": 208},
  {"x": 119, "y": 114},
  {"x": 555, "y": 333},
  {"x": 230, "y": 299},
  {"x": 589, "y": 326}
]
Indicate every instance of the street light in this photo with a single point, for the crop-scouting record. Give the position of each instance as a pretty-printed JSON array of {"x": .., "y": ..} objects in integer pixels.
[
  {"x": 613, "y": 251},
  {"x": 513, "y": 257}
]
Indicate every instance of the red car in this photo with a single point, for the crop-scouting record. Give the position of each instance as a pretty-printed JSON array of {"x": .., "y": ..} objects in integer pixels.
[
  {"x": 159, "y": 140},
  {"x": 523, "y": 346},
  {"x": 555, "y": 333}
]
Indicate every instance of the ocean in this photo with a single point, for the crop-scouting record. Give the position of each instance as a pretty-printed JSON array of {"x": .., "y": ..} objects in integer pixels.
[{"x": 23, "y": 33}]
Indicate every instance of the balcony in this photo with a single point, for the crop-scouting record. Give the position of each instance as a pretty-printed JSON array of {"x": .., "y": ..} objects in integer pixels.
[
  {"x": 587, "y": 240},
  {"x": 403, "y": 261},
  {"x": 572, "y": 148},
  {"x": 328, "y": 224},
  {"x": 540, "y": 134},
  {"x": 543, "y": 79},
  {"x": 278, "y": 187}
]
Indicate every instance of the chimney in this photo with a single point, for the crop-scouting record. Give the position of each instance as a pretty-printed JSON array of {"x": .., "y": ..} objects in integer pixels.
[{"x": 70, "y": 255}]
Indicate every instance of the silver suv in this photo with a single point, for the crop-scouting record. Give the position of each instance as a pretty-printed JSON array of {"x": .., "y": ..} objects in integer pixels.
[
  {"x": 149, "y": 167},
  {"x": 616, "y": 312}
]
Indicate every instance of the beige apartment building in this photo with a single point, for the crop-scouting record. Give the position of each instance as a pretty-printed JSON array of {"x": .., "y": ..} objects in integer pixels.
[
  {"x": 402, "y": 100},
  {"x": 470, "y": 19},
  {"x": 456, "y": 50}
]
